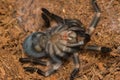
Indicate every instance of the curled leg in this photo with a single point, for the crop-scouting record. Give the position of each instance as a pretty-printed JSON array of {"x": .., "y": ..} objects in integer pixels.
[
  {"x": 46, "y": 20},
  {"x": 76, "y": 64},
  {"x": 55, "y": 17},
  {"x": 74, "y": 22},
  {"x": 98, "y": 48}
]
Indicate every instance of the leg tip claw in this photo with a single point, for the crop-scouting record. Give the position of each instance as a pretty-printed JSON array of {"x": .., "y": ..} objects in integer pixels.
[
  {"x": 106, "y": 50},
  {"x": 45, "y": 11},
  {"x": 30, "y": 69}
]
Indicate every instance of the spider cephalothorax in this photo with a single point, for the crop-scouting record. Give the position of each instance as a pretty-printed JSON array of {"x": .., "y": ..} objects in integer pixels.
[{"x": 59, "y": 42}]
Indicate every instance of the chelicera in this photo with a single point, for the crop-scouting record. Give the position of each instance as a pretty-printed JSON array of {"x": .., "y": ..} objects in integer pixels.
[{"x": 60, "y": 42}]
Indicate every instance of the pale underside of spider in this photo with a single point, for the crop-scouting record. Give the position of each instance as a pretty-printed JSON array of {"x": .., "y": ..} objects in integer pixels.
[{"x": 60, "y": 42}]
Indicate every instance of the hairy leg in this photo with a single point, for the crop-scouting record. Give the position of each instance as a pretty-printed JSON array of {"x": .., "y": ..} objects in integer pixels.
[
  {"x": 51, "y": 70},
  {"x": 96, "y": 18},
  {"x": 55, "y": 17},
  {"x": 46, "y": 20},
  {"x": 34, "y": 61},
  {"x": 94, "y": 22},
  {"x": 76, "y": 64},
  {"x": 98, "y": 48}
]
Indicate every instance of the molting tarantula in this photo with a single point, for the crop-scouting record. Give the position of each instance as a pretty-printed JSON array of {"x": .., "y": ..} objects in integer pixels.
[{"x": 59, "y": 42}]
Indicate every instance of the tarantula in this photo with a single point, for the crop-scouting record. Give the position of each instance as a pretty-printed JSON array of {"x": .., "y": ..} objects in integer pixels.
[{"x": 60, "y": 42}]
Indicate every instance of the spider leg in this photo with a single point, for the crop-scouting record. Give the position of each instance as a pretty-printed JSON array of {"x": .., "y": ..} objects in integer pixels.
[
  {"x": 55, "y": 63},
  {"x": 96, "y": 18},
  {"x": 74, "y": 22},
  {"x": 51, "y": 70},
  {"x": 55, "y": 17},
  {"x": 34, "y": 61},
  {"x": 94, "y": 22},
  {"x": 76, "y": 63},
  {"x": 66, "y": 47},
  {"x": 51, "y": 49},
  {"x": 98, "y": 48},
  {"x": 58, "y": 50},
  {"x": 58, "y": 29},
  {"x": 64, "y": 43},
  {"x": 80, "y": 43},
  {"x": 75, "y": 25},
  {"x": 46, "y": 20}
]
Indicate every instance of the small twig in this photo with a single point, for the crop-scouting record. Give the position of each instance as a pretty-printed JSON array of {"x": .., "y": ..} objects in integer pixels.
[
  {"x": 97, "y": 73},
  {"x": 85, "y": 77},
  {"x": 11, "y": 21}
]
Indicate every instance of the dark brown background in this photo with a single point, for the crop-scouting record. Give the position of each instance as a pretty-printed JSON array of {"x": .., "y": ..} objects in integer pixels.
[{"x": 18, "y": 18}]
